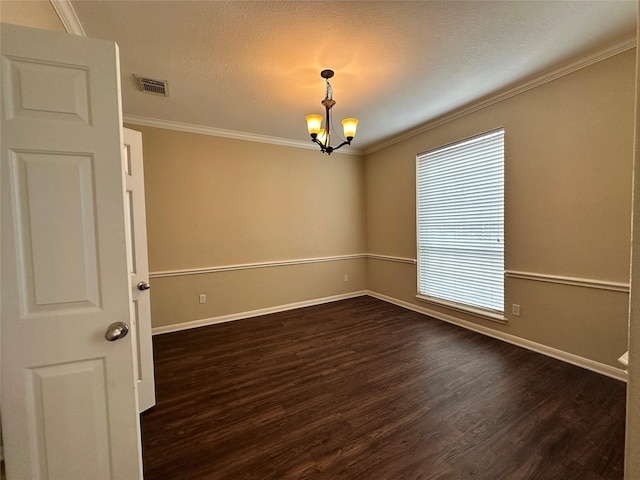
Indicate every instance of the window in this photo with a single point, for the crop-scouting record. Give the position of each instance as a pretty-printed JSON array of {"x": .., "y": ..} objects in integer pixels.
[{"x": 460, "y": 224}]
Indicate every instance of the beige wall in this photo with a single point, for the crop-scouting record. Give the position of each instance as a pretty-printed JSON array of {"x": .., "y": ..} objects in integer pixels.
[
  {"x": 217, "y": 202},
  {"x": 30, "y": 13},
  {"x": 568, "y": 162},
  {"x": 632, "y": 447},
  {"x": 238, "y": 293}
]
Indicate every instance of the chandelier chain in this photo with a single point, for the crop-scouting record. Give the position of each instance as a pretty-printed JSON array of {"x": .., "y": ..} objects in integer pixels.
[{"x": 329, "y": 92}]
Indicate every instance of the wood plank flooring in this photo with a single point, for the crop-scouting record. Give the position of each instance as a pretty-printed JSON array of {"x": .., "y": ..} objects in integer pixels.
[{"x": 362, "y": 389}]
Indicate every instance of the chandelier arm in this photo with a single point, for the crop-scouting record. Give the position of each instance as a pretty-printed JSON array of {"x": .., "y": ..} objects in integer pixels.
[
  {"x": 319, "y": 143},
  {"x": 346, "y": 142},
  {"x": 340, "y": 137}
]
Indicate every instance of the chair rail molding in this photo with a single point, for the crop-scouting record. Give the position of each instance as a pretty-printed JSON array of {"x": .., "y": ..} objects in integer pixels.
[
  {"x": 249, "y": 266},
  {"x": 573, "y": 281}
]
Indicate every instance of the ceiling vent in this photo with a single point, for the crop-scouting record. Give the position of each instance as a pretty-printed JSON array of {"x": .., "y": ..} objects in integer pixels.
[{"x": 149, "y": 85}]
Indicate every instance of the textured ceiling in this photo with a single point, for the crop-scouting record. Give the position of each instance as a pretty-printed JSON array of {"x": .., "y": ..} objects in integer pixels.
[{"x": 254, "y": 66}]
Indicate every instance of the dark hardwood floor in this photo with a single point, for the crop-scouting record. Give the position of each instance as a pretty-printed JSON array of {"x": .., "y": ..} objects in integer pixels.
[{"x": 362, "y": 389}]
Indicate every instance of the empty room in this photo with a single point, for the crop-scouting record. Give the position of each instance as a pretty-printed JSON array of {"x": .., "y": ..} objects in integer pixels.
[{"x": 205, "y": 275}]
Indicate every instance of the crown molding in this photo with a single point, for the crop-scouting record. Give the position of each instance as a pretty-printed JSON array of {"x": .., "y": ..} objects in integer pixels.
[
  {"x": 72, "y": 25},
  {"x": 567, "y": 68},
  {"x": 68, "y": 17},
  {"x": 221, "y": 132}
]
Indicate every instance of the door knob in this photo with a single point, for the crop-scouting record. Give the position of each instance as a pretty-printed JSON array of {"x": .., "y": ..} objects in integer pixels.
[
  {"x": 143, "y": 286},
  {"x": 116, "y": 331}
]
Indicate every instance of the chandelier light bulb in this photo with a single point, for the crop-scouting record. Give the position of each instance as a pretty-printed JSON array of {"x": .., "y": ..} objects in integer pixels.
[
  {"x": 349, "y": 126},
  {"x": 314, "y": 123}
]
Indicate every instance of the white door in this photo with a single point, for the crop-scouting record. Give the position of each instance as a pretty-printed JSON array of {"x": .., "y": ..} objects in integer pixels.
[
  {"x": 138, "y": 267},
  {"x": 69, "y": 408}
]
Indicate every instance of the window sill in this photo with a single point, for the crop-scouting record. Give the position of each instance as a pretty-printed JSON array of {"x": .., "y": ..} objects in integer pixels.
[{"x": 476, "y": 312}]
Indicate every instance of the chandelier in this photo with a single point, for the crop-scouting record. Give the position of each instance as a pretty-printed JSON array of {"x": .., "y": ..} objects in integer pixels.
[{"x": 322, "y": 136}]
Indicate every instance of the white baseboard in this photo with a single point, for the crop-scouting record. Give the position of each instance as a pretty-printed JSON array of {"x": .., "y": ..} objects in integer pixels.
[
  {"x": 597, "y": 367},
  {"x": 253, "y": 313}
]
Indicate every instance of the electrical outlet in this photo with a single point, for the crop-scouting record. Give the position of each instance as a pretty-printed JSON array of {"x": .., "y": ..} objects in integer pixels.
[
  {"x": 203, "y": 298},
  {"x": 346, "y": 277},
  {"x": 515, "y": 309}
]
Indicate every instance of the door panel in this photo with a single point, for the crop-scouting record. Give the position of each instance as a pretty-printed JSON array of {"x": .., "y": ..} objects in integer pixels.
[
  {"x": 70, "y": 394},
  {"x": 46, "y": 182},
  {"x": 138, "y": 266},
  {"x": 69, "y": 406},
  {"x": 27, "y": 97}
]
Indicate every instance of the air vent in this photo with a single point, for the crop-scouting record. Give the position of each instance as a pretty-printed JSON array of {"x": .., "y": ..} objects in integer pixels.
[{"x": 157, "y": 87}]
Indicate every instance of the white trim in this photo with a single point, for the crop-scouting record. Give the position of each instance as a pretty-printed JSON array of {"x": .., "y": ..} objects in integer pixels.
[
  {"x": 390, "y": 258},
  {"x": 68, "y": 17},
  {"x": 253, "y": 313},
  {"x": 249, "y": 266},
  {"x": 571, "y": 358},
  {"x": 221, "y": 132},
  {"x": 597, "y": 367},
  {"x": 539, "y": 277},
  {"x": 620, "y": 46},
  {"x": 576, "y": 282},
  {"x": 72, "y": 24},
  {"x": 624, "y": 359}
]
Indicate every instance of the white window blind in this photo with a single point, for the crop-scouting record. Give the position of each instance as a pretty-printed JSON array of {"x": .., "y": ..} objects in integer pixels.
[{"x": 460, "y": 203}]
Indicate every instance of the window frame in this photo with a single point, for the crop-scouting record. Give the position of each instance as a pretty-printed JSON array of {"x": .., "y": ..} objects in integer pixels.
[{"x": 480, "y": 311}]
